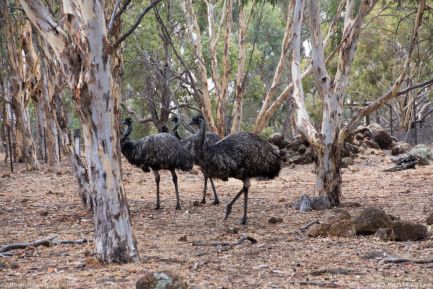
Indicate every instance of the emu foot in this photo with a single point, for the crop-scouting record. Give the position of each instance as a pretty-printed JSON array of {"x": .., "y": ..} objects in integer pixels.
[
  {"x": 157, "y": 207},
  {"x": 244, "y": 220},
  {"x": 228, "y": 212},
  {"x": 178, "y": 207},
  {"x": 203, "y": 201},
  {"x": 216, "y": 202}
]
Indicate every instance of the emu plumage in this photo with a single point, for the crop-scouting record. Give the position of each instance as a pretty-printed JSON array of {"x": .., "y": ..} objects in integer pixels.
[
  {"x": 161, "y": 151},
  {"x": 210, "y": 139},
  {"x": 240, "y": 155}
]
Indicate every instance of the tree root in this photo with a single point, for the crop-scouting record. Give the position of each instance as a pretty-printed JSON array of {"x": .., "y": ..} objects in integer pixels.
[{"x": 45, "y": 242}]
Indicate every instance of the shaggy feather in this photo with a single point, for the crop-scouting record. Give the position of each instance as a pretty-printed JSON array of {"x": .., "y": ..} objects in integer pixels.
[
  {"x": 161, "y": 151},
  {"x": 187, "y": 143},
  {"x": 241, "y": 155}
]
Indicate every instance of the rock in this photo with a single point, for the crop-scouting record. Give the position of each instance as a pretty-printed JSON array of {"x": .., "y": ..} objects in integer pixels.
[
  {"x": 370, "y": 220},
  {"x": 359, "y": 136},
  {"x": 278, "y": 140},
  {"x": 320, "y": 203},
  {"x": 306, "y": 158},
  {"x": 371, "y": 144},
  {"x": 346, "y": 162},
  {"x": 302, "y": 148},
  {"x": 403, "y": 231},
  {"x": 423, "y": 153},
  {"x": 275, "y": 220},
  {"x": 160, "y": 280},
  {"x": 361, "y": 129},
  {"x": 342, "y": 228},
  {"x": 183, "y": 239},
  {"x": 354, "y": 169},
  {"x": 374, "y": 127},
  {"x": 400, "y": 148},
  {"x": 295, "y": 142},
  {"x": 366, "y": 134},
  {"x": 338, "y": 215},
  {"x": 383, "y": 139},
  {"x": 429, "y": 219},
  {"x": 232, "y": 230},
  {"x": 304, "y": 204},
  {"x": 404, "y": 164},
  {"x": 318, "y": 230}
]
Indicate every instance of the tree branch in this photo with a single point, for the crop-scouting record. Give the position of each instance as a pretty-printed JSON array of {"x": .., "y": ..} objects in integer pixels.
[
  {"x": 393, "y": 92},
  {"x": 134, "y": 26},
  {"x": 110, "y": 24}
]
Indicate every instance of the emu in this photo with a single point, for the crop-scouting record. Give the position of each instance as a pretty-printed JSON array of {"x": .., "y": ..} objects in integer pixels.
[
  {"x": 160, "y": 151},
  {"x": 210, "y": 139},
  {"x": 240, "y": 155}
]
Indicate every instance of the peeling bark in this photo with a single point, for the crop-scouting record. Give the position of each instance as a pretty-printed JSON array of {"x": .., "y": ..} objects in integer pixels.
[{"x": 21, "y": 74}]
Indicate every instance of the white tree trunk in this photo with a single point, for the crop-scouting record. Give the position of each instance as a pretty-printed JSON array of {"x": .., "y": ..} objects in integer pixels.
[{"x": 91, "y": 82}]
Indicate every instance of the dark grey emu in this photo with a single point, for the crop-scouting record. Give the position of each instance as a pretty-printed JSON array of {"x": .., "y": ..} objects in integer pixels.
[
  {"x": 161, "y": 151},
  {"x": 240, "y": 155},
  {"x": 210, "y": 138}
]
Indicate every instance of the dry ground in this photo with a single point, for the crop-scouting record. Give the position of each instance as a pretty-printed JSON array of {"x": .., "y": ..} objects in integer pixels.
[{"x": 37, "y": 205}]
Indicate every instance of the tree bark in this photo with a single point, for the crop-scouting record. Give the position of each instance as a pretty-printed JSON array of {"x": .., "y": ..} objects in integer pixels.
[
  {"x": 326, "y": 142},
  {"x": 222, "y": 96},
  {"x": 51, "y": 132},
  {"x": 203, "y": 97},
  {"x": 91, "y": 82},
  {"x": 25, "y": 145},
  {"x": 240, "y": 75}
]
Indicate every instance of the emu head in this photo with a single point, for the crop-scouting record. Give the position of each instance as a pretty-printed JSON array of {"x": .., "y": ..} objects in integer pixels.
[
  {"x": 197, "y": 120},
  {"x": 127, "y": 121}
]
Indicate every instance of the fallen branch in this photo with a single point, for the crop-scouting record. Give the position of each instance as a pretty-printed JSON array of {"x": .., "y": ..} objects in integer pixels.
[
  {"x": 319, "y": 284},
  {"x": 405, "y": 260},
  {"x": 45, "y": 242},
  {"x": 225, "y": 244},
  {"x": 335, "y": 271},
  {"x": 305, "y": 227}
]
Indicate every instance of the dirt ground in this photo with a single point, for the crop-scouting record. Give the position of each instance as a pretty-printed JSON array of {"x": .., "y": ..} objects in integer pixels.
[{"x": 37, "y": 205}]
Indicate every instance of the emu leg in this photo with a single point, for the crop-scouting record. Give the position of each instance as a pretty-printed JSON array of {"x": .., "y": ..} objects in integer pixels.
[
  {"x": 157, "y": 179},
  {"x": 173, "y": 174},
  {"x": 244, "y": 218},
  {"x": 230, "y": 205},
  {"x": 216, "y": 201},
  {"x": 203, "y": 200}
]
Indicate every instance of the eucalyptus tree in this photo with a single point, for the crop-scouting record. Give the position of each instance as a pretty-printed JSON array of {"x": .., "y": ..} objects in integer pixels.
[{"x": 82, "y": 48}]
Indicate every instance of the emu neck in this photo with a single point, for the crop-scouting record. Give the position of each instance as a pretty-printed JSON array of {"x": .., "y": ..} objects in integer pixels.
[
  {"x": 200, "y": 138},
  {"x": 126, "y": 133},
  {"x": 175, "y": 133}
]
